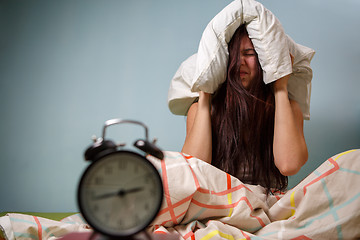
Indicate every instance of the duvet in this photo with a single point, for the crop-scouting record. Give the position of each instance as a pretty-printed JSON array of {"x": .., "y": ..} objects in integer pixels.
[{"x": 203, "y": 202}]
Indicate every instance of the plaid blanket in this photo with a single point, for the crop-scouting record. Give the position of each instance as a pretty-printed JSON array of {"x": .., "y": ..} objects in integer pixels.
[{"x": 203, "y": 202}]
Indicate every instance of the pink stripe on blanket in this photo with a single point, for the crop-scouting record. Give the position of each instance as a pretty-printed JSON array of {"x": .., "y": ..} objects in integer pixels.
[
  {"x": 336, "y": 167},
  {"x": 180, "y": 215},
  {"x": 189, "y": 234},
  {"x": 175, "y": 205},
  {"x": 197, "y": 185},
  {"x": 302, "y": 237},
  {"x": 167, "y": 193},
  {"x": 39, "y": 227},
  {"x": 203, "y": 190},
  {"x": 245, "y": 235},
  {"x": 227, "y": 206}
]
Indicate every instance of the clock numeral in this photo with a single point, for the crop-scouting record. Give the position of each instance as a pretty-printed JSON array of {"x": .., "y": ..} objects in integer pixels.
[
  {"x": 146, "y": 207},
  {"x": 122, "y": 165},
  {"x": 92, "y": 194},
  {"x": 148, "y": 178},
  {"x": 136, "y": 169},
  {"x": 120, "y": 222},
  {"x": 108, "y": 169},
  {"x": 96, "y": 208},
  {"x": 152, "y": 191},
  {"x": 137, "y": 218},
  {"x": 99, "y": 180}
]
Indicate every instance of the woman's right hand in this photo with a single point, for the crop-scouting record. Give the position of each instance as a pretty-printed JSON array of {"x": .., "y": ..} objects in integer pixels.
[{"x": 204, "y": 99}]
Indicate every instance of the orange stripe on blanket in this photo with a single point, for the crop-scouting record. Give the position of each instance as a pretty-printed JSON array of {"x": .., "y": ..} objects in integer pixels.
[
  {"x": 159, "y": 232},
  {"x": 228, "y": 181},
  {"x": 180, "y": 215},
  {"x": 229, "y": 196},
  {"x": 277, "y": 197},
  {"x": 336, "y": 167},
  {"x": 39, "y": 227},
  {"x": 259, "y": 220},
  {"x": 302, "y": 237},
  {"x": 245, "y": 235},
  {"x": 167, "y": 193},
  {"x": 224, "y": 206},
  {"x": 202, "y": 190},
  {"x": 227, "y": 206},
  {"x": 186, "y": 156},
  {"x": 197, "y": 185},
  {"x": 163, "y": 211},
  {"x": 190, "y": 234}
]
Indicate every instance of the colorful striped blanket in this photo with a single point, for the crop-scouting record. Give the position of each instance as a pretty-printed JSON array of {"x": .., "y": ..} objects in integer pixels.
[{"x": 203, "y": 202}]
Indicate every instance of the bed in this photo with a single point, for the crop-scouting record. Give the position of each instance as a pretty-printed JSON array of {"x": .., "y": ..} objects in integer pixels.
[
  {"x": 57, "y": 216},
  {"x": 203, "y": 202},
  {"x": 39, "y": 225}
]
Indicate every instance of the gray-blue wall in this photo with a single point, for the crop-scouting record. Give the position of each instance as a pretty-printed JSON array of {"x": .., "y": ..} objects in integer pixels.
[{"x": 68, "y": 66}]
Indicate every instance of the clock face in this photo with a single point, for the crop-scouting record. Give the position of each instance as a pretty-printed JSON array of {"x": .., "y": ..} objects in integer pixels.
[{"x": 120, "y": 194}]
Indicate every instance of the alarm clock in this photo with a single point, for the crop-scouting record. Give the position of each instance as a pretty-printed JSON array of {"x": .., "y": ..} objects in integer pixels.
[{"x": 120, "y": 193}]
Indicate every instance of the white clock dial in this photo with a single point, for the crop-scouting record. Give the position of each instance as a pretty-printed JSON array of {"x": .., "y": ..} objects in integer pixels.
[{"x": 120, "y": 194}]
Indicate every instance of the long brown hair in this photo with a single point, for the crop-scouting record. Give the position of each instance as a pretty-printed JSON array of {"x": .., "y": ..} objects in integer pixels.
[{"x": 243, "y": 125}]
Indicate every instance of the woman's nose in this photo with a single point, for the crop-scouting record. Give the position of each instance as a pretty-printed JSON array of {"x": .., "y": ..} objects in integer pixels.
[{"x": 242, "y": 60}]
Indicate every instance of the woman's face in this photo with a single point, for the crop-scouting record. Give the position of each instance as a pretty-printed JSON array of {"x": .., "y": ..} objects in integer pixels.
[{"x": 249, "y": 61}]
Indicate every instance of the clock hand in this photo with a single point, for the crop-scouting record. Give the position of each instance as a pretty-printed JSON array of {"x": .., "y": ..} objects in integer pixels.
[
  {"x": 120, "y": 193},
  {"x": 123, "y": 192},
  {"x": 106, "y": 195},
  {"x": 133, "y": 190}
]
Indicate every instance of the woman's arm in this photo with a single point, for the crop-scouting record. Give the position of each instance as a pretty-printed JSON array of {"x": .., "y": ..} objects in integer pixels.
[
  {"x": 198, "y": 141},
  {"x": 290, "y": 150}
]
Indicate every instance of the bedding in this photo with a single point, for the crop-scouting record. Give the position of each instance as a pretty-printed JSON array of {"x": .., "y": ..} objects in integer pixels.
[
  {"x": 57, "y": 216},
  {"x": 206, "y": 70},
  {"x": 203, "y": 202},
  {"x": 25, "y": 226}
]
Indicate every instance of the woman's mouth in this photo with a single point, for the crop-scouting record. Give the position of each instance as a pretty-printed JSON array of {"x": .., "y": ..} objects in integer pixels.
[{"x": 243, "y": 73}]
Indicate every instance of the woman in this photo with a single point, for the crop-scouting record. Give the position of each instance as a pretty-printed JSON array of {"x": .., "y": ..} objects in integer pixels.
[{"x": 248, "y": 129}]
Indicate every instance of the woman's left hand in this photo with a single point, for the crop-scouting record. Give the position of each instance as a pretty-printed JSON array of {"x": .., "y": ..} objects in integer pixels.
[{"x": 281, "y": 83}]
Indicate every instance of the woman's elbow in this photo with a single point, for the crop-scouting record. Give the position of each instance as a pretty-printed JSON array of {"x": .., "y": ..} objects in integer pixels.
[
  {"x": 289, "y": 170},
  {"x": 291, "y": 165}
]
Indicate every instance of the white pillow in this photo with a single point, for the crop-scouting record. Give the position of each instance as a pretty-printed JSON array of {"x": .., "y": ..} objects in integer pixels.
[
  {"x": 207, "y": 71},
  {"x": 180, "y": 96}
]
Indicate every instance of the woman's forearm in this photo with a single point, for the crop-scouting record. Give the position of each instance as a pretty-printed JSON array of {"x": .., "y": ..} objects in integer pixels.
[
  {"x": 290, "y": 151},
  {"x": 198, "y": 141}
]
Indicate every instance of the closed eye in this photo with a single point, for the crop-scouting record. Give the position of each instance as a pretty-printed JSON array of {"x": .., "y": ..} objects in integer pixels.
[{"x": 249, "y": 52}]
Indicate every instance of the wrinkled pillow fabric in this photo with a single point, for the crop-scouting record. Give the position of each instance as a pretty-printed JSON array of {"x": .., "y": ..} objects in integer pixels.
[
  {"x": 206, "y": 70},
  {"x": 299, "y": 85},
  {"x": 180, "y": 96}
]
